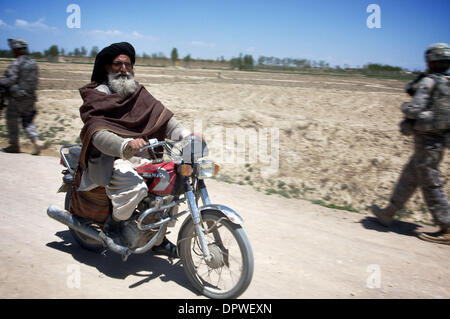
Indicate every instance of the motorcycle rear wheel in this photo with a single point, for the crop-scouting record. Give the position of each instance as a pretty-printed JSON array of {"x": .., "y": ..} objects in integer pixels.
[
  {"x": 84, "y": 241},
  {"x": 230, "y": 271}
]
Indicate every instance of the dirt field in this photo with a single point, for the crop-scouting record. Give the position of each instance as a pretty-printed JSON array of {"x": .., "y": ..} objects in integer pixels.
[{"x": 339, "y": 144}]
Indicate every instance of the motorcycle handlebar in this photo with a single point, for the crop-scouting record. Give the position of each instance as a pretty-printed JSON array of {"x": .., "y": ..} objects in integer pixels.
[{"x": 152, "y": 144}]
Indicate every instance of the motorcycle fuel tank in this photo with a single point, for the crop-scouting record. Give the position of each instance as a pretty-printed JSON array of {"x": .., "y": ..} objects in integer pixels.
[{"x": 160, "y": 178}]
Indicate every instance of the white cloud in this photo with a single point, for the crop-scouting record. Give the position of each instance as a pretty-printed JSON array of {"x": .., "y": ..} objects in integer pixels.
[
  {"x": 21, "y": 24},
  {"x": 5, "y": 26},
  {"x": 117, "y": 33},
  {"x": 109, "y": 33},
  {"x": 137, "y": 35},
  {"x": 32, "y": 26}
]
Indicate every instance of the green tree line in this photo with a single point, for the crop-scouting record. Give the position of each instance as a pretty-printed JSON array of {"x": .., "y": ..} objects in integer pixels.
[
  {"x": 289, "y": 62},
  {"x": 243, "y": 62}
]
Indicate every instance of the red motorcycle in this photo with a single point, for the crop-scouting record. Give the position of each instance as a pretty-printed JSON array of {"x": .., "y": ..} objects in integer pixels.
[{"x": 213, "y": 247}]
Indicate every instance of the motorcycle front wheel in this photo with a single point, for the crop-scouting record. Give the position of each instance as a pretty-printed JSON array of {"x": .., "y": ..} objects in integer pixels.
[{"x": 229, "y": 272}]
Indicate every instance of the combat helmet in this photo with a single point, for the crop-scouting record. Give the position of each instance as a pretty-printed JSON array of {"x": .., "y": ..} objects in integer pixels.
[
  {"x": 438, "y": 52},
  {"x": 18, "y": 44}
]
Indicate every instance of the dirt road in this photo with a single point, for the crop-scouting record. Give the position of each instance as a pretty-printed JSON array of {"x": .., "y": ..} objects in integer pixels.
[{"x": 301, "y": 250}]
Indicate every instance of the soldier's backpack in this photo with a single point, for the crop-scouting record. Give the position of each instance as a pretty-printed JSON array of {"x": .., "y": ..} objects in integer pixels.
[{"x": 440, "y": 102}]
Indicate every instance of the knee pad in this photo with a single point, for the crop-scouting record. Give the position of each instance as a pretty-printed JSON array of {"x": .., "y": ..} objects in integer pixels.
[{"x": 31, "y": 131}]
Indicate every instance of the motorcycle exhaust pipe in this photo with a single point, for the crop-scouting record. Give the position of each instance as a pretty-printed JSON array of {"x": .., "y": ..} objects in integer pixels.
[{"x": 72, "y": 221}]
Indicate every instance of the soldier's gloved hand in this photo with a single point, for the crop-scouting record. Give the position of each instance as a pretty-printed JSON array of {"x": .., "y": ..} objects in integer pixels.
[
  {"x": 407, "y": 127},
  {"x": 16, "y": 92}
]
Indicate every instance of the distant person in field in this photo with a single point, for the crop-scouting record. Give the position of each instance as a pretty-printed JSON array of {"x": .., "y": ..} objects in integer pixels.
[
  {"x": 20, "y": 83},
  {"x": 427, "y": 119},
  {"x": 119, "y": 115}
]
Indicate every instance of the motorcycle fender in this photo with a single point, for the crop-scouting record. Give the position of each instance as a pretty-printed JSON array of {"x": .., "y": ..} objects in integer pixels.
[{"x": 227, "y": 211}]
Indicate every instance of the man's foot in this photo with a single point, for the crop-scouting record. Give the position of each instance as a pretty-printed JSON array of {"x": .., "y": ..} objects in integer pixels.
[
  {"x": 111, "y": 225},
  {"x": 13, "y": 148},
  {"x": 111, "y": 228},
  {"x": 384, "y": 216},
  {"x": 440, "y": 237},
  {"x": 166, "y": 248}
]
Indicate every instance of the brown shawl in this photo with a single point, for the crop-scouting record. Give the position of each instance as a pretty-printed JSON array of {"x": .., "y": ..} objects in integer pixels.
[{"x": 137, "y": 115}]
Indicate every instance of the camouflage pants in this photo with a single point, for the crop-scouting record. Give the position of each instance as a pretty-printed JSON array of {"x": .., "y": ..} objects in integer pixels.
[
  {"x": 24, "y": 111},
  {"x": 422, "y": 171}
]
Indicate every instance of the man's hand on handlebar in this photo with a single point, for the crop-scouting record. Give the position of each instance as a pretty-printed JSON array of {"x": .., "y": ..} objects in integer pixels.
[
  {"x": 137, "y": 144},
  {"x": 133, "y": 147}
]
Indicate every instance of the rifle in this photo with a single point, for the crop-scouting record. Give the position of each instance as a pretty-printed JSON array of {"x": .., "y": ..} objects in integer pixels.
[{"x": 411, "y": 87}]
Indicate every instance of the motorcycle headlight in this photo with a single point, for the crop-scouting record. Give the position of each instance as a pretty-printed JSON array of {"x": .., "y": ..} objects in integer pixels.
[{"x": 207, "y": 168}]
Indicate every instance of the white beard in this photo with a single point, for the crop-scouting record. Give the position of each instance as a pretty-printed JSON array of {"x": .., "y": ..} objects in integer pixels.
[{"x": 122, "y": 85}]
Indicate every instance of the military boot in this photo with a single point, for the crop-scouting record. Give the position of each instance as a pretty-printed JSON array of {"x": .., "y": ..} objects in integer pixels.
[
  {"x": 440, "y": 237},
  {"x": 385, "y": 216},
  {"x": 36, "y": 147},
  {"x": 12, "y": 148}
]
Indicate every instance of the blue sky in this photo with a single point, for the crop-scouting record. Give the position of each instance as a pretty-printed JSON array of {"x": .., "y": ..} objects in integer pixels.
[{"x": 330, "y": 30}]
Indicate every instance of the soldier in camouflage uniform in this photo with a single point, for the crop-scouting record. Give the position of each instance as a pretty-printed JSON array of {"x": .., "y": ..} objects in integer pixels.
[
  {"x": 422, "y": 169},
  {"x": 21, "y": 81}
]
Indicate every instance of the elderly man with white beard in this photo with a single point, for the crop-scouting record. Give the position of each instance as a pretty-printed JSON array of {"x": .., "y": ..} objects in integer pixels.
[{"x": 119, "y": 115}]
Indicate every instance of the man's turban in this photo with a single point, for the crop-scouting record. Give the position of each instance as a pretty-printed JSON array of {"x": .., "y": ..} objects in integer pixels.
[{"x": 106, "y": 57}]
